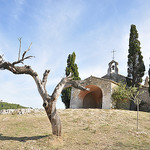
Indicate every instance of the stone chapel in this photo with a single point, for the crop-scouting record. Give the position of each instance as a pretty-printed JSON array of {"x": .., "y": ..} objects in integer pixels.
[{"x": 101, "y": 90}]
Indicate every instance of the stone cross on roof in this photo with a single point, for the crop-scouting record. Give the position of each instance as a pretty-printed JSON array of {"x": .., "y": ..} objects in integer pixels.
[{"x": 113, "y": 54}]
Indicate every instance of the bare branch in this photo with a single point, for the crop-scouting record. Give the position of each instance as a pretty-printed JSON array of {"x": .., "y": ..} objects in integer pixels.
[
  {"x": 26, "y": 51},
  {"x": 26, "y": 70},
  {"x": 75, "y": 85},
  {"x": 21, "y": 60},
  {"x": 70, "y": 77},
  {"x": 19, "y": 48},
  {"x": 67, "y": 85},
  {"x": 18, "y": 69},
  {"x": 23, "y": 55},
  {"x": 60, "y": 86},
  {"x": 1, "y": 59},
  {"x": 65, "y": 82},
  {"x": 78, "y": 86},
  {"x": 44, "y": 80}
]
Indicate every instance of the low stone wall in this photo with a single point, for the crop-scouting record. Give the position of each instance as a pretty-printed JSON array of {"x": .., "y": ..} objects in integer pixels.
[{"x": 20, "y": 111}]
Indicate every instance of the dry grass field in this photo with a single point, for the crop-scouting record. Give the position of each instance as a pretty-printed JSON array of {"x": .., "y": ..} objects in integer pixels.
[{"x": 83, "y": 129}]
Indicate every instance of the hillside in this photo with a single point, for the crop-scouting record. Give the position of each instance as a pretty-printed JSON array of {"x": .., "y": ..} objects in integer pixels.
[
  {"x": 5, "y": 105},
  {"x": 83, "y": 129}
]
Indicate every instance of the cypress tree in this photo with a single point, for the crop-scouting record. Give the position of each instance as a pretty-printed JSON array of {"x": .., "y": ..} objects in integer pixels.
[
  {"x": 136, "y": 67},
  {"x": 71, "y": 67}
]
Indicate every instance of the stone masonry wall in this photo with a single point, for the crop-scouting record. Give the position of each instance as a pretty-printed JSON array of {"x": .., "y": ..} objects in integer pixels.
[
  {"x": 145, "y": 105},
  {"x": 20, "y": 111},
  {"x": 103, "y": 84}
]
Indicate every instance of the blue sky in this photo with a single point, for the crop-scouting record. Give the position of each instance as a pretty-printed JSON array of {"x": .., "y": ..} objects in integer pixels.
[{"x": 91, "y": 28}]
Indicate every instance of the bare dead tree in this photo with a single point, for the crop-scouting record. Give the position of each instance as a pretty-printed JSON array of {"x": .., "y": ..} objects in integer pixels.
[{"x": 49, "y": 101}]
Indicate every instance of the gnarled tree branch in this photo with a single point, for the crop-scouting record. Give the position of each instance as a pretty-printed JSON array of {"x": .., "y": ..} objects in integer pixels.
[
  {"x": 44, "y": 80},
  {"x": 23, "y": 55}
]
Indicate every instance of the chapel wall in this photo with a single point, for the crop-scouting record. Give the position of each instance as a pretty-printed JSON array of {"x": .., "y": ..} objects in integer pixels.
[{"x": 103, "y": 84}]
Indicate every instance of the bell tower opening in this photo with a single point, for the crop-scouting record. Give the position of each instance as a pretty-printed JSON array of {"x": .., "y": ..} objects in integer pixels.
[{"x": 113, "y": 67}]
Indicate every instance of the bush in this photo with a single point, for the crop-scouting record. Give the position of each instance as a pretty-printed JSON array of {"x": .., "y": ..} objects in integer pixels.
[{"x": 121, "y": 96}]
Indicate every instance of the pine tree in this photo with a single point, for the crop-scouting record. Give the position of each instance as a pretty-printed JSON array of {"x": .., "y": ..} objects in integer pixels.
[
  {"x": 71, "y": 67},
  {"x": 136, "y": 67}
]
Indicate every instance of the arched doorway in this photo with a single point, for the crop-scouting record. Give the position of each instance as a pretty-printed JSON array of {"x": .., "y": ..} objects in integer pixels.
[{"x": 92, "y": 98}]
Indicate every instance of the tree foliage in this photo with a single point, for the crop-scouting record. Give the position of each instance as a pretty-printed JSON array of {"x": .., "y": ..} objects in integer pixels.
[
  {"x": 5, "y": 105},
  {"x": 136, "y": 67},
  {"x": 121, "y": 96},
  {"x": 71, "y": 68}
]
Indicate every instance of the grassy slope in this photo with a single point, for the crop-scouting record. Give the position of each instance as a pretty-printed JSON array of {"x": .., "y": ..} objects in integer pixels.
[
  {"x": 82, "y": 129},
  {"x": 5, "y": 105}
]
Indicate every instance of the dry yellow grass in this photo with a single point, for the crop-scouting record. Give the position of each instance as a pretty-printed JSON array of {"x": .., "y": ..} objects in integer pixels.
[{"x": 83, "y": 129}]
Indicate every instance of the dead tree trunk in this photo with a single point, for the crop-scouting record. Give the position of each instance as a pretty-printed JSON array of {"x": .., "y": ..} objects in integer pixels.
[{"x": 49, "y": 101}]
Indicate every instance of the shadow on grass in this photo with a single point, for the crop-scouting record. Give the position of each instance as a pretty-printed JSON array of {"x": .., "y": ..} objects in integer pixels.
[{"x": 21, "y": 139}]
